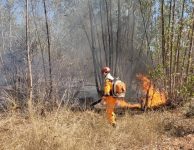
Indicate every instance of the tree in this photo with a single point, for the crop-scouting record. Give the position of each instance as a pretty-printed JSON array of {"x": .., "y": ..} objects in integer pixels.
[
  {"x": 49, "y": 51},
  {"x": 30, "y": 89},
  {"x": 116, "y": 40}
]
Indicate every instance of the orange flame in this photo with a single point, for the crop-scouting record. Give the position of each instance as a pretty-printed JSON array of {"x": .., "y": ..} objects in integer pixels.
[{"x": 154, "y": 97}]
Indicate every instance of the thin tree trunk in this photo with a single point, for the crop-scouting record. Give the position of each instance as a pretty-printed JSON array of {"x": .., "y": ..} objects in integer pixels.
[
  {"x": 3, "y": 41},
  {"x": 29, "y": 63},
  {"x": 118, "y": 37},
  {"x": 40, "y": 45},
  {"x": 103, "y": 34},
  {"x": 49, "y": 51},
  {"x": 132, "y": 45},
  {"x": 133, "y": 32},
  {"x": 145, "y": 27},
  {"x": 183, "y": 70},
  {"x": 168, "y": 42},
  {"x": 109, "y": 36},
  {"x": 163, "y": 36},
  {"x": 98, "y": 87},
  {"x": 97, "y": 55},
  {"x": 177, "y": 51},
  {"x": 10, "y": 30},
  {"x": 171, "y": 48},
  {"x": 190, "y": 49}
]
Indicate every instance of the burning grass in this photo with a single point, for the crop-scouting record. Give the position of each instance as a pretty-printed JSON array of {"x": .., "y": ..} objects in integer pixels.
[
  {"x": 81, "y": 130},
  {"x": 154, "y": 97}
]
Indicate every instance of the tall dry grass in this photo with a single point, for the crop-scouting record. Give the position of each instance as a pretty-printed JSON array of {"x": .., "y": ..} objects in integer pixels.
[{"x": 67, "y": 130}]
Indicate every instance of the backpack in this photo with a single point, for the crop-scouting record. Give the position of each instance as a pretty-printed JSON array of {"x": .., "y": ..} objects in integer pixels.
[{"x": 119, "y": 88}]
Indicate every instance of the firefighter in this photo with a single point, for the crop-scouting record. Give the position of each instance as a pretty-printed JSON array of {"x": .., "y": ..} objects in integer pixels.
[{"x": 110, "y": 100}]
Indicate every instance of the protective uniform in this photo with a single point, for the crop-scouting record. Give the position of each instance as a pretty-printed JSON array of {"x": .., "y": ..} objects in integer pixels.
[{"x": 110, "y": 100}]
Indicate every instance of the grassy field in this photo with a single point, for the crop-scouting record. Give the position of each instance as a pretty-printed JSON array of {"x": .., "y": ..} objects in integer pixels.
[{"x": 88, "y": 130}]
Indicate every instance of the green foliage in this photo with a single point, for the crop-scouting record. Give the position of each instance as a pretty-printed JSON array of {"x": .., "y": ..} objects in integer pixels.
[
  {"x": 190, "y": 85},
  {"x": 187, "y": 89},
  {"x": 157, "y": 72}
]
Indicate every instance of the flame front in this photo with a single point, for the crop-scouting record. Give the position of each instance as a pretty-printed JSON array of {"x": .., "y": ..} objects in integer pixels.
[{"x": 154, "y": 97}]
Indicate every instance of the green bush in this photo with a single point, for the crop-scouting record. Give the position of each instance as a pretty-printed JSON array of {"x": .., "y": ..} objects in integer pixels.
[{"x": 188, "y": 88}]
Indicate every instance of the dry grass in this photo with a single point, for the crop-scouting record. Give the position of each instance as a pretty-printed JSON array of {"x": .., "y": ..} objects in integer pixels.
[{"x": 81, "y": 131}]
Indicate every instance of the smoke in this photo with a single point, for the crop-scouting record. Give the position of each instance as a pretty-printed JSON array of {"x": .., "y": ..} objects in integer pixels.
[{"x": 119, "y": 34}]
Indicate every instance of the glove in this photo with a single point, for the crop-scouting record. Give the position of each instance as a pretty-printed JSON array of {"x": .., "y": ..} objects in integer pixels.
[
  {"x": 107, "y": 94},
  {"x": 103, "y": 101}
]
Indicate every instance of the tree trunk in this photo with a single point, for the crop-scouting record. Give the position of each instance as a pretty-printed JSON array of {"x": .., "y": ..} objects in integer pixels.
[
  {"x": 163, "y": 36},
  {"x": 118, "y": 37},
  {"x": 29, "y": 63},
  {"x": 92, "y": 47},
  {"x": 177, "y": 50},
  {"x": 40, "y": 45},
  {"x": 171, "y": 48},
  {"x": 103, "y": 33},
  {"x": 109, "y": 34},
  {"x": 49, "y": 51},
  {"x": 190, "y": 49},
  {"x": 168, "y": 42}
]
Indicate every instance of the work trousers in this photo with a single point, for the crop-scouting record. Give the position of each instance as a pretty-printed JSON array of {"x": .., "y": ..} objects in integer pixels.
[{"x": 111, "y": 102}]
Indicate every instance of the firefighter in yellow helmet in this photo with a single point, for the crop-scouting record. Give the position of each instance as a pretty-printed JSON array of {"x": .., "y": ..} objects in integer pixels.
[{"x": 110, "y": 100}]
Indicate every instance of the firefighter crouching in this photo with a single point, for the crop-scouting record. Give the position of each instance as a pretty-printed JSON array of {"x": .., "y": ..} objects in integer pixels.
[{"x": 114, "y": 93}]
